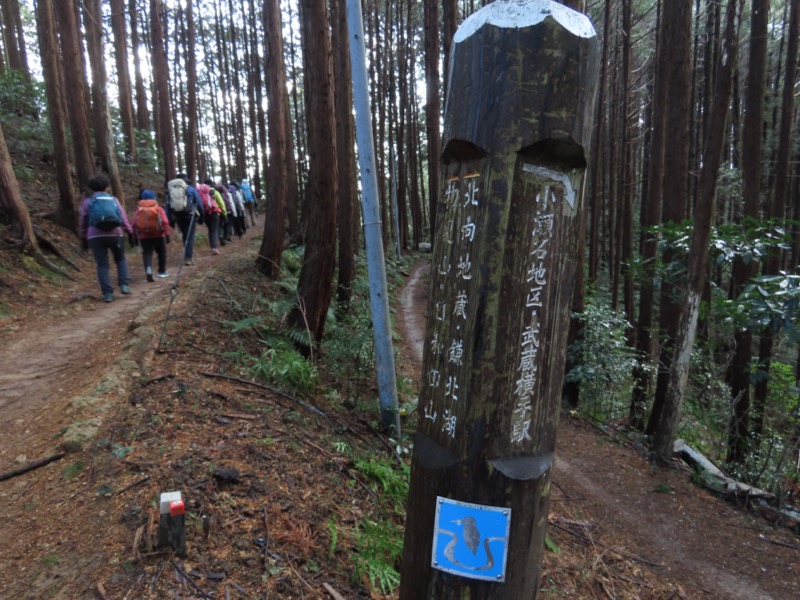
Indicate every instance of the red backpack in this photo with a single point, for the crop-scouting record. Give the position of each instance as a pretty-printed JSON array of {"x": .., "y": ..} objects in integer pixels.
[{"x": 149, "y": 223}]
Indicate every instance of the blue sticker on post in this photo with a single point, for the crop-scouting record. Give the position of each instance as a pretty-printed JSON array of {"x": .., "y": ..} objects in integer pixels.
[{"x": 471, "y": 540}]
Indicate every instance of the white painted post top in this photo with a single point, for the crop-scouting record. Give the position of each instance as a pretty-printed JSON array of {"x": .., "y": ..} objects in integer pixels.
[
  {"x": 514, "y": 14},
  {"x": 164, "y": 501}
]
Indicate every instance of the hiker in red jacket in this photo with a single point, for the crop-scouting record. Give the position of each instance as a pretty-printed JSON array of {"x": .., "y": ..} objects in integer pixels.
[{"x": 151, "y": 229}]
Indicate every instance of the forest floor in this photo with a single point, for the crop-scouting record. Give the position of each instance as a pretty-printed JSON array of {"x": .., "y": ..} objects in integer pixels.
[{"x": 274, "y": 505}]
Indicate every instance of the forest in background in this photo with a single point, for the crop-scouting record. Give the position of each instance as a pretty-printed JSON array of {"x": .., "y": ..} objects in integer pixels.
[{"x": 685, "y": 318}]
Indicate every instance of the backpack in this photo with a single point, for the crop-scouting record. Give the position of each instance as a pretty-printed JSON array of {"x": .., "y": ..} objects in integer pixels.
[
  {"x": 178, "y": 198},
  {"x": 104, "y": 213},
  {"x": 149, "y": 223},
  {"x": 210, "y": 205},
  {"x": 247, "y": 192}
]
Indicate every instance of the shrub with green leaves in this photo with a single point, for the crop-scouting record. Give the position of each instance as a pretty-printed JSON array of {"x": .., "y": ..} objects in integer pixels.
[
  {"x": 19, "y": 95},
  {"x": 603, "y": 362}
]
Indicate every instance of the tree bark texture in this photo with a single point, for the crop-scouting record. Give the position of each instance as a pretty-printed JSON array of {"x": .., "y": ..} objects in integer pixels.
[
  {"x": 74, "y": 79},
  {"x": 776, "y": 208},
  {"x": 14, "y": 38},
  {"x": 431, "y": 11},
  {"x": 142, "y": 114},
  {"x": 676, "y": 42},
  {"x": 67, "y": 212},
  {"x": 704, "y": 213},
  {"x": 316, "y": 276},
  {"x": 191, "y": 139},
  {"x": 166, "y": 135},
  {"x": 752, "y": 148},
  {"x": 104, "y": 137},
  {"x": 11, "y": 199},
  {"x": 346, "y": 157},
  {"x": 269, "y": 256},
  {"x": 125, "y": 99}
]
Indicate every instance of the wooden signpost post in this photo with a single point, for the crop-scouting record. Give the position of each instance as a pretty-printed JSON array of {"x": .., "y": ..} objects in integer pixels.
[{"x": 517, "y": 125}]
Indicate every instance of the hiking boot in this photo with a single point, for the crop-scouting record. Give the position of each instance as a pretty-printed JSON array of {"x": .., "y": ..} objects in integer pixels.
[
  {"x": 108, "y": 297},
  {"x": 124, "y": 289},
  {"x": 162, "y": 275},
  {"x": 214, "y": 251},
  {"x": 189, "y": 263},
  {"x": 150, "y": 275}
]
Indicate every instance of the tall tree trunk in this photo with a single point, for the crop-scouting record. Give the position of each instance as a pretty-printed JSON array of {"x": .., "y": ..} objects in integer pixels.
[
  {"x": 104, "y": 138},
  {"x": 269, "y": 256},
  {"x": 650, "y": 217},
  {"x": 142, "y": 114},
  {"x": 11, "y": 200},
  {"x": 677, "y": 43},
  {"x": 296, "y": 226},
  {"x": 176, "y": 82},
  {"x": 67, "y": 213},
  {"x": 752, "y": 145},
  {"x": 431, "y": 11},
  {"x": 296, "y": 164},
  {"x": 166, "y": 136},
  {"x": 14, "y": 38},
  {"x": 776, "y": 209},
  {"x": 628, "y": 116},
  {"x": 705, "y": 211},
  {"x": 192, "y": 145},
  {"x": 257, "y": 102},
  {"x": 315, "y": 288},
  {"x": 345, "y": 154},
  {"x": 123, "y": 76},
  {"x": 238, "y": 137},
  {"x": 74, "y": 79},
  {"x": 449, "y": 26}
]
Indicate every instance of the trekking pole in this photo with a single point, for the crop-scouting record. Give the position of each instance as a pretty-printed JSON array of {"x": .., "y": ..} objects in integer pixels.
[{"x": 174, "y": 290}]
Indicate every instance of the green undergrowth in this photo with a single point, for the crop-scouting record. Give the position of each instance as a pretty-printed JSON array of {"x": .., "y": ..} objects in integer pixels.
[{"x": 340, "y": 380}]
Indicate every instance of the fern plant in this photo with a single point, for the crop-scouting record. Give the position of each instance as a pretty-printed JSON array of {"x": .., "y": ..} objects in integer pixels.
[
  {"x": 380, "y": 546},
  {"x": 281, "y": 365},
  {"x": 392, "y": 480}
]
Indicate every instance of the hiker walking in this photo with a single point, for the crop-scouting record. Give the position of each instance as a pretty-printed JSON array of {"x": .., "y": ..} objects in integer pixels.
[
  {"x": 250, "y": 202},
  {"x": 240, "y": 224},
  {"x": 214, "y": 210},
  {"x": 184, "y": 208},
  {"x": 101, "y": 226},
  {"x": 226, "y": 229},
  {"x": 151, "y": 230}
]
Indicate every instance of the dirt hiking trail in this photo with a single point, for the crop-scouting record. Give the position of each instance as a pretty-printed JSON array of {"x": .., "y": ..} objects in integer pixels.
[{"x": 50, "y": 358}]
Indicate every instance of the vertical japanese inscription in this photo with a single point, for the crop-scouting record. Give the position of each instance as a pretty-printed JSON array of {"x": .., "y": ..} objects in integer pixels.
[
  {"x": 454, "y": 271},
  {"x": 550, "y": 187}
]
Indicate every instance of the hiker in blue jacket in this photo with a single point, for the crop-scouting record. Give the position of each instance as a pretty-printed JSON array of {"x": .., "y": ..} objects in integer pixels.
[
  {"x": 250, "y": 201},
  {"x": 187, "y": 219},
  {"x": 101, "y": 226}
]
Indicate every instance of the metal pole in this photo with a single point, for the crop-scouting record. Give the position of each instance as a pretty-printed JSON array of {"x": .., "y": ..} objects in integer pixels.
[{"x": 379, "y": 297}]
